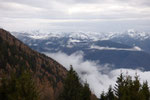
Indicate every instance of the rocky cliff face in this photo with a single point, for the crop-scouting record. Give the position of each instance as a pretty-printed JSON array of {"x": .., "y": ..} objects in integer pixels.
[{"x": 47, "y": 73}]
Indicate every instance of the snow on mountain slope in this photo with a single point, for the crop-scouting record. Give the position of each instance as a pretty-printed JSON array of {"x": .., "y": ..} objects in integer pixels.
[{"x": 131, "y": 38}]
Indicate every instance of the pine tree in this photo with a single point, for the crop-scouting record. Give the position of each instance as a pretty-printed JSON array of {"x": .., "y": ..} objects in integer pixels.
[
  {"x": 72, "y": 87},
  {"x": 103, "y": 96},
  {"x": 126, "y": 89},
  {"x": 18, "y": 87},
  {"x": 119, "y": 87},
  {"x": 26, "y": 87},
  {"x": 86, "y": 93},
  {"x": 3, "y": 89},
  {"x": 135, "y": 89},
  {"x": 110, "y": 95},
  {"x": 145, "y": 92}
]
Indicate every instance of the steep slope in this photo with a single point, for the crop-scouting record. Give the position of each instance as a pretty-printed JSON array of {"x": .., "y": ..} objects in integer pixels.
[{"x": 47, "y": 73}]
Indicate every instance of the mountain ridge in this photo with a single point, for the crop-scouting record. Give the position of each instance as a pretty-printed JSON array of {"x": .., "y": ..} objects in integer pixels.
[
  {"x": 119, "y": 54},
  {"x": 88, "y": 35},
  {"x": 49, "y": 74}
]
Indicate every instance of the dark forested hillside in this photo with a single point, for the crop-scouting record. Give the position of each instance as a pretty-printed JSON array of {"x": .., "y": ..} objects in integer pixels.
[{"x": 47, "y": 73}]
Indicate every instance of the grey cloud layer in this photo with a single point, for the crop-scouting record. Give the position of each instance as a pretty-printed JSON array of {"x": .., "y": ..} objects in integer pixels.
[{"x": 77, "y": 10}]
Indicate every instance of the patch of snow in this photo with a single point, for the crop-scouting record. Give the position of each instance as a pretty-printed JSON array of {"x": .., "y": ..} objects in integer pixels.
[
  {"x": 35, "y": 44},
  {"x": 73, "y": 40},
  {"x": 69, "y": 46},
  {"x": 47, "y": 43}
]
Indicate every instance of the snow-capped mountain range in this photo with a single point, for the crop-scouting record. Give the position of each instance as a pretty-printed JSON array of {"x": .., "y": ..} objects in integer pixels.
[
  {"x": 85, "y": 35},
  {"x": 129, "y": 49}
]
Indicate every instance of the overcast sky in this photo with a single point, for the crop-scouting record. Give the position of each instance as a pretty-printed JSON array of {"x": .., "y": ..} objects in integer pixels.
[{"x": 75, "y": 15}]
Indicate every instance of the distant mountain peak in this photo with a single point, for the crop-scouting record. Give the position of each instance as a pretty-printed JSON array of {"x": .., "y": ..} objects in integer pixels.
[{"x": 131, "y": 31}]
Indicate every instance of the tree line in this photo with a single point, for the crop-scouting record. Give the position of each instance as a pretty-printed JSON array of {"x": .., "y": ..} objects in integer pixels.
[
  {"x": 127, "y": 88},
  {"x": 22, "y": 87}
]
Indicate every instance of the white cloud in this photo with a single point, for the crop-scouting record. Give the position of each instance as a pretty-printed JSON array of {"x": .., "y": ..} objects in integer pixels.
[
  {"x": 136, "y": 48},
  {"x": 99, "y": 77}
]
